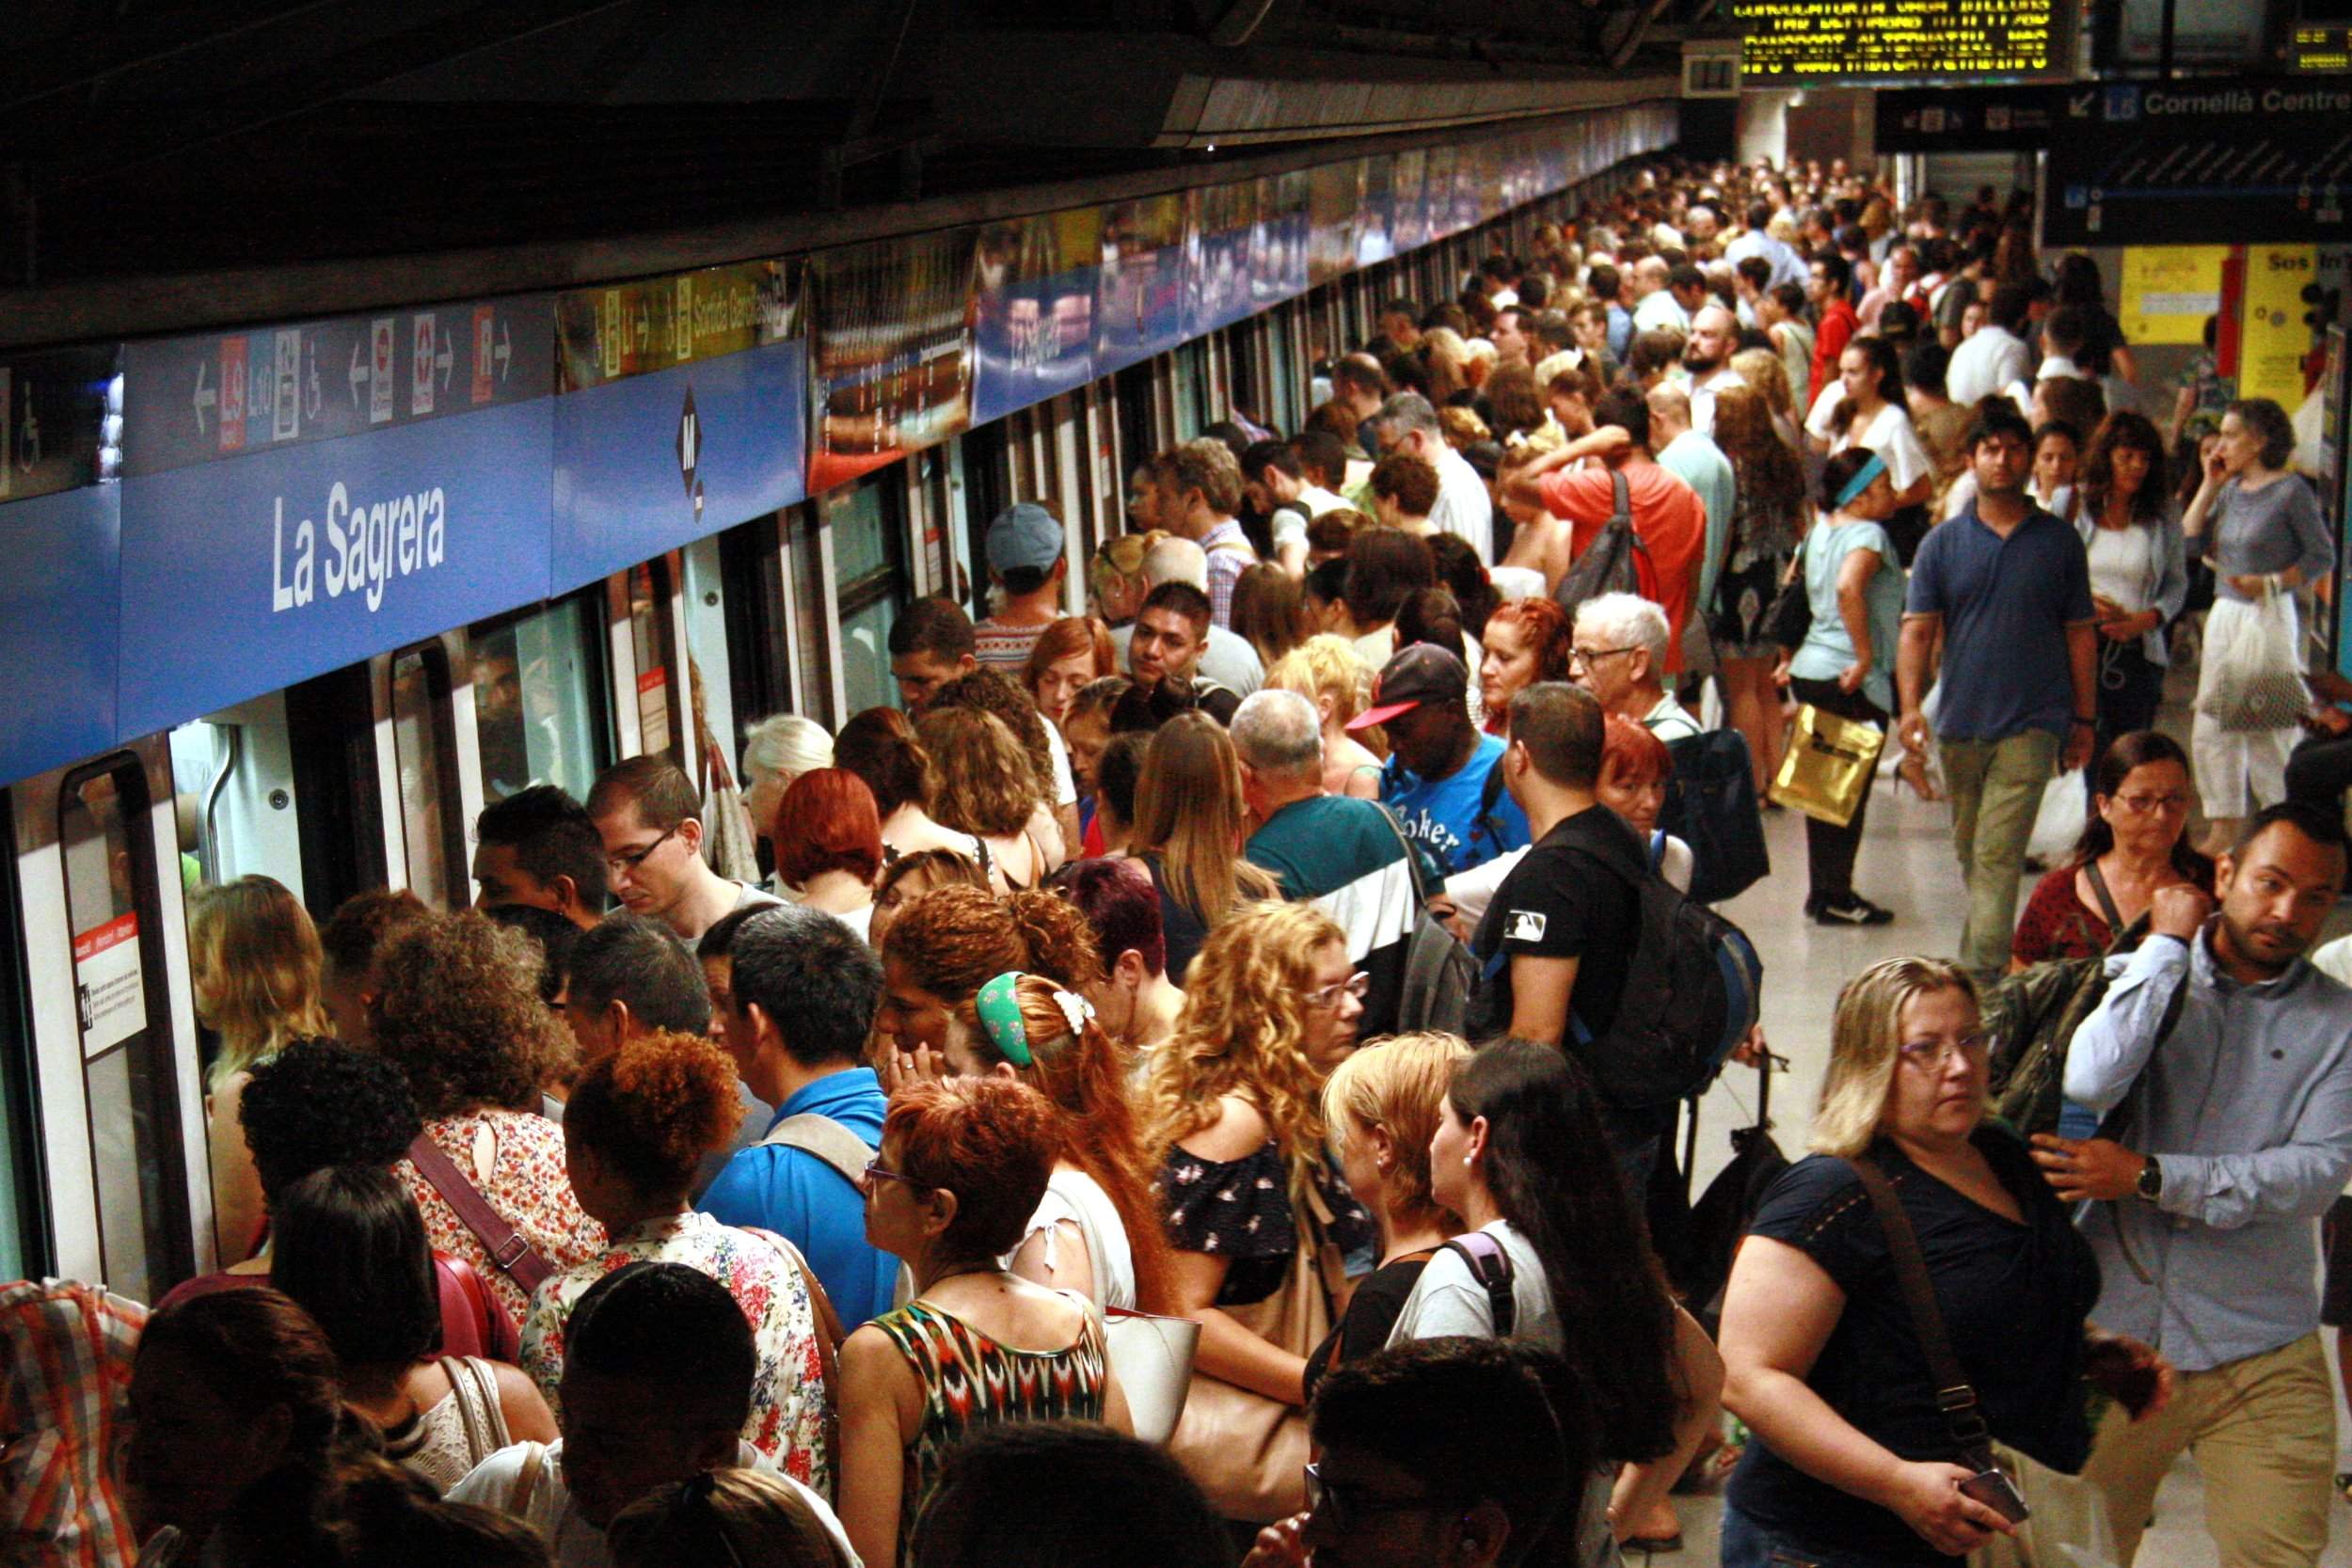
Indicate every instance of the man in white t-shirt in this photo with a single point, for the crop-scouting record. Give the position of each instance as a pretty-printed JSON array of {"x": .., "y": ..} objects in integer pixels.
[
  {"x": 1274, "y": 482},
  {"x": 1408, "y": 422},
  {"x": 1995, "y": 357},
  {"x": 657, "y": 1371}
]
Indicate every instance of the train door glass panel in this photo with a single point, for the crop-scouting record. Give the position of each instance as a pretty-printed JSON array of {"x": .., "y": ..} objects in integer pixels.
[
  {"x": 538, "y": 700},
  {"x": 804, "y": 552},
  {"x": 868, "y": 534},
  {"x": 25, "y": 1251},
  {"x": 127, "y": 1076},
  {"x": 432, "y": 834},
  {"x": 660, "y": 677}
]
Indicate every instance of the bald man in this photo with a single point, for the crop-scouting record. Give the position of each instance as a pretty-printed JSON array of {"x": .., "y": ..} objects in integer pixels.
[
  {"x": 1714, "y": 334},
  {"x": 1690, "y": 455}
]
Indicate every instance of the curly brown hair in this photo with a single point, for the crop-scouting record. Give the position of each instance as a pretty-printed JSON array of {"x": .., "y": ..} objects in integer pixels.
[
  {"x": 654, "y": 1108},
  {"x": 993, "y": 691},
  {"x": 460, "y": 1016},
  {"x": 952, "y": 940},
  {"x": 986, "y": 786}
]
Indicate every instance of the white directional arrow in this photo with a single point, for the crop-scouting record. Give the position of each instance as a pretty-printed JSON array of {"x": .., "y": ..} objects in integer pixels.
[
  {"x": 2078, "y": 105},
  {"x": 205, "y": 397},
  {"x": 443, "y": 360},
  {"x": 503, "y": 351},
  {"x": 359, "y": 371}
]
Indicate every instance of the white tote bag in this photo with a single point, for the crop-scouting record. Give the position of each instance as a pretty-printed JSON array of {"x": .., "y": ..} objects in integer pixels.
[
  {"x": 2252, "y": 677},
  {"x": 1152, "y": 1359}
]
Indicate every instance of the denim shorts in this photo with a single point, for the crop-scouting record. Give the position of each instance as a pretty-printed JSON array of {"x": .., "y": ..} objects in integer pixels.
[{"x": 1747, "y": 1543}]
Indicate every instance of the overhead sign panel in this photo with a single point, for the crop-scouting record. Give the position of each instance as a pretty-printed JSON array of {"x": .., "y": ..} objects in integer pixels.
[
  {"x": 1969, "y": 119},
  {"x": 1836, "y": 42},
  {"x": 1033, "y": 290},
  {"x": 2253, "y": 159},
  {"x": 892, "y": 351}
]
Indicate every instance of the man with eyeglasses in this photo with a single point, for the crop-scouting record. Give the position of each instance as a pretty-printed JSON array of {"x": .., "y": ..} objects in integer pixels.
[
  {"x": 1616, "y": 653},
  {"x": 1435, "y": 1453},
  {"x": 649, "y": 815},
  {"x": 2235, "y": 1056}
]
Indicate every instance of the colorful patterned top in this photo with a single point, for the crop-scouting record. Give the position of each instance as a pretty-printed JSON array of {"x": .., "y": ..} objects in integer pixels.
[
  {"x": 787, "y": 1419},
  {"x": 529, "y": 1187},
  {"x": 970, "y": 1382}
]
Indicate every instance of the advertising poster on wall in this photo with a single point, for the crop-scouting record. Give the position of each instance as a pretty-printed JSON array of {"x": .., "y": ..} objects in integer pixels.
[
  {"x": 2168, "y": 291},
  {"x": 1333, "y": 193},
  {"x": 1139, "y": 295},
  {"x": 1219, "y": 221},
  {"x": 891, "y": 350},
  {"x": 1033, "y": 291},
  {"x": 1278, "y": 239},
  {"x": 1407, "y": 202},
  {"x": 2275, "y": 342},
  {"x": 657, "y": 323},
  {"x": 1375, "y": 211}
]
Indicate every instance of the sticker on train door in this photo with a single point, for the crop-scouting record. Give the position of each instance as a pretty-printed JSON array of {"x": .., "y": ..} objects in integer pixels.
[{"x": 109, "y": 990}]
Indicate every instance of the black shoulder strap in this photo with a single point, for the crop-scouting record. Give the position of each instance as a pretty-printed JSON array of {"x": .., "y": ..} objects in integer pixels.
[
  {"x": 1490, "y": 1266},
  {"x": 1490, "y": 795},
  {"x": 1622, "y": 494},
  {"x": 1954, "y": 1396},
  {"x": 2107, "y": 899}
]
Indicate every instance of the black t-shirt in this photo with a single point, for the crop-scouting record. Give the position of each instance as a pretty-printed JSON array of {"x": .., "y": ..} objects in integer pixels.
[
  {"x": 1570, "y": 896},
  {"x": 1372, "y": 1309},
  {"x": 2014, "y": 1298}
]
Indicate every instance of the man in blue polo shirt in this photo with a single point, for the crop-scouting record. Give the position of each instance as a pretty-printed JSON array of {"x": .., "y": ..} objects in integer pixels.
[
  {"x": 796, "y": 1000},
  {"x": 1440, "y": 780},
  {"x": 2006, "y": 588}
]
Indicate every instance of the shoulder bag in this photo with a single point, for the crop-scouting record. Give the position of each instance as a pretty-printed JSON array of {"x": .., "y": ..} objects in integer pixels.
[
  {"x": 1246, "y": 1452},
  {"x": 836, "y": 1145},
  {"x": 1789, "y": 619},
  {"x": 1151, "y": 1356},
  {"x": 2064, "y": 1520},
  {"x": 511, "y": 1252}
]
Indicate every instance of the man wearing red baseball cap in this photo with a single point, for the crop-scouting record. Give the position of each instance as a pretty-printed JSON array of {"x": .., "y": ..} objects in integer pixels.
[{"x": 1440, "y": 769}]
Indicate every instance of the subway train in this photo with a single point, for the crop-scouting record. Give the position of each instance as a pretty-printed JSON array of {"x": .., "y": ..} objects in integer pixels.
[{"x": 299, "y": 598}]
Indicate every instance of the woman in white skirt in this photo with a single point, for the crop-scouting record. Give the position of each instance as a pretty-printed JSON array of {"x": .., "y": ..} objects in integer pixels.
[{"x": 2265, "y": 537}]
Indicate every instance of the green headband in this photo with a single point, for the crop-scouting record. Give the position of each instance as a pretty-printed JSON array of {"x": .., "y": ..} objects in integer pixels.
[{"x": 999, "y": 1007}]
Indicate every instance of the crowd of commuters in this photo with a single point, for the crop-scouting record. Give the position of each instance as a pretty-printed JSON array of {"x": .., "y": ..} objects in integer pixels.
[{"x": 646, "y": 1216}]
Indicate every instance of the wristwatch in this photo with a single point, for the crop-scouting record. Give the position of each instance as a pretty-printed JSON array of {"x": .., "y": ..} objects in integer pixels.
[{"x": 2151, "y": 1182}]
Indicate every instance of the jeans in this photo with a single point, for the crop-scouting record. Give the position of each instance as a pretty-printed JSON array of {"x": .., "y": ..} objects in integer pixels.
[
  {"x": 1997, "y": 788},
  {"x": 1747, "y": 1543},
  {"x": 1829, "y": 849}
]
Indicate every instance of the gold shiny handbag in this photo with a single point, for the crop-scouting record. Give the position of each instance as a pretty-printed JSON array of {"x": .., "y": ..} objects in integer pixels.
[{"x": 1826, "y": 769}]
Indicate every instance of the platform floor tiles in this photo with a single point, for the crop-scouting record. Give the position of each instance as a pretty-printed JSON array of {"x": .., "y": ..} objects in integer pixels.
[{"x": 1906, "y": 863}]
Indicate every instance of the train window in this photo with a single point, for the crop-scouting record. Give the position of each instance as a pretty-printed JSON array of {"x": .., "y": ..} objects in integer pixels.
[
  {"x": 431, "y": 815},
  {"x": 538, "y": 699},
  {"x": 868, "y": 544},
  {"x": 127, "y": 1078},
  {"x": 653, "y": 633}
]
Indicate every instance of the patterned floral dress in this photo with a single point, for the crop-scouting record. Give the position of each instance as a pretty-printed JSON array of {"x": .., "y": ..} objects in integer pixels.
[
  {"x": 529, "y": 1187},
  {"x": 787, "y": 1419},
  {"x": 971, "y": 1381}
]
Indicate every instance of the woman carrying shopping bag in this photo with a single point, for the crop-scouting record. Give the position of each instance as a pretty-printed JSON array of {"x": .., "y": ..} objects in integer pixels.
[
  {"x": 1846, "y": 664},
  {"x": 2267, "y": 539}
]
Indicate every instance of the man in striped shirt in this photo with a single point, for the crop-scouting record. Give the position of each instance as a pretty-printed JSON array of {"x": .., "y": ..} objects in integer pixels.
[{"x": 1200, "y": 487}]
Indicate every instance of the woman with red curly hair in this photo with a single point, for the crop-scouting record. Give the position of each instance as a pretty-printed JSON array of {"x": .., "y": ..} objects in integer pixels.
[
  {"x": 962, "y": 1166},
  {"x": 828, "y": 839},
  {"x": 947, "y": 944},
  {"x": 636, "y": 1127},
  {"x": 1098, "y": 1231},
  {"x": 1526, "y": 641}
]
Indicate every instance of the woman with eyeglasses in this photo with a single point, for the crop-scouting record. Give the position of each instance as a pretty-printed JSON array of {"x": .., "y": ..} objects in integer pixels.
[
  {"x": 2135, "y": 842},
  {"x": 1852, "y": 1461},
  {"x": 1247, "y": 1177},
  {"x": 963, "y": 1163}
]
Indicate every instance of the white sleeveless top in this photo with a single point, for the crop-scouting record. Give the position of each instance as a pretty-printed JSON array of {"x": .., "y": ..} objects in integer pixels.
[{"x": 1076, "y": 1196}]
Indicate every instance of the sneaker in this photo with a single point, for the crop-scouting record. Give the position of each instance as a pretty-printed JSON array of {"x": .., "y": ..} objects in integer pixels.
[{"x": 1853, "y": 909}]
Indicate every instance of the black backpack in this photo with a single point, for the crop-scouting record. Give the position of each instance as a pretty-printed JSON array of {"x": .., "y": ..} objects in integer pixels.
[
  {"x": 1711, "y": 806},
  {"x": 1692, "y": 993},
  {"x": 1440, "y": 973},
  {"x": 1612, "y": 563},
  {"x": 2032, "y": 1016}
]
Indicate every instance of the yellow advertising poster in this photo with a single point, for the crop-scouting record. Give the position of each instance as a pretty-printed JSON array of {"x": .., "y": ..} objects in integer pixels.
[
  {"x": 2169, "y": 291},
  {"x": 2271, "y": 350}
]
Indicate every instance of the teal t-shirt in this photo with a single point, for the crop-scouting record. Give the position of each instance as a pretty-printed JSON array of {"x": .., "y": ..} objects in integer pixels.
[{"x": 1827, "y": 649}]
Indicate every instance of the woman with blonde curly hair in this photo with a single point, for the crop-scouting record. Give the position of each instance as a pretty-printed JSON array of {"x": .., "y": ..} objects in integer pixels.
[
  {"x": 1055, "y": 822},
  {"x": 1382, "y": 1106},
  {"x": 987, "y": 788},
  {"x": 1327, "y": 671},
  {"x": 459, "y": 1014},
  {"x": 947, "y": 944},
  {"x": 1190, "y": 822},
  {"x": 255, "y": 961},
  {"x": 1098, "y": 1232},
  {"x": 1236, "y": 1116},
  {"x": 637, "y": 1126},
  {"x": 880, "y": 746}
]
